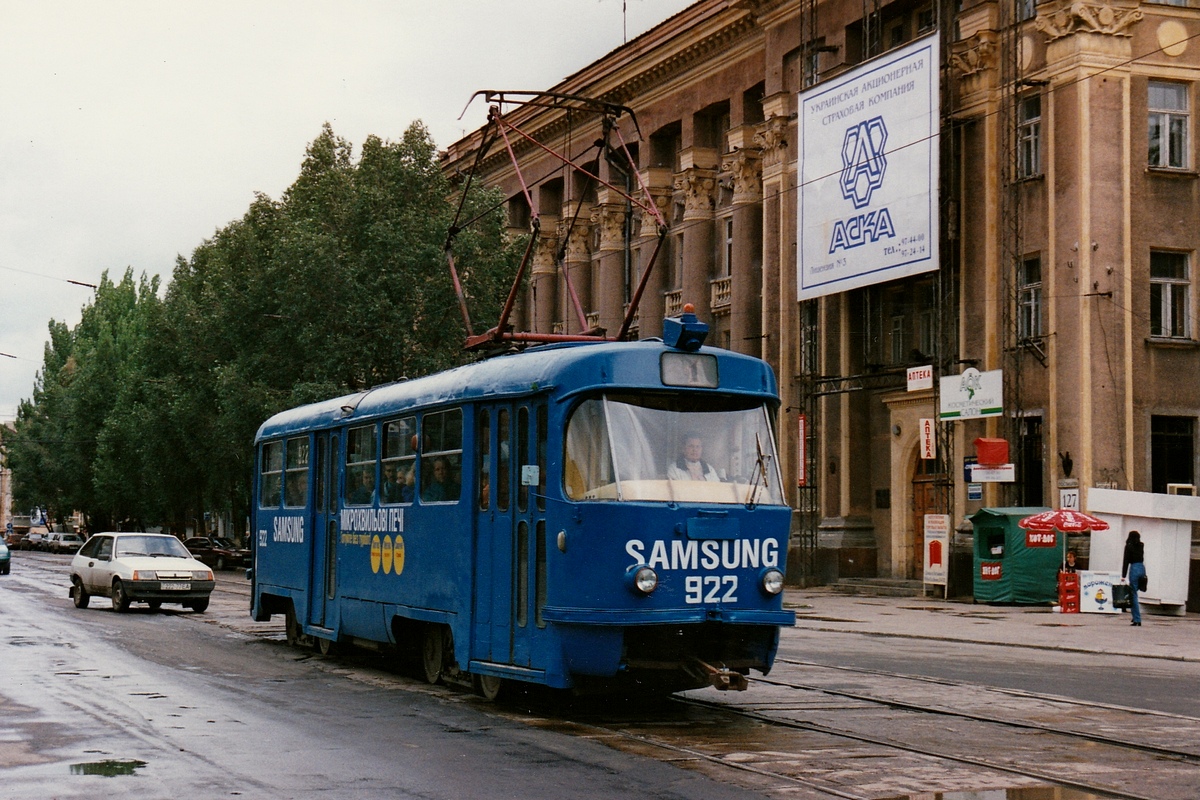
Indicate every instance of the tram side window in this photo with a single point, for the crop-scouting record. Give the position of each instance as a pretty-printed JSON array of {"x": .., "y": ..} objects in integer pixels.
[
  {"x": 270, "y": 473},
  {"x": 399, "y": 460},
  {"x": 588, "y": 462},
  {"x": 295, "y": 487},
  {"x": 360, "y": 466},
  {"x": 441, "y": 456}
]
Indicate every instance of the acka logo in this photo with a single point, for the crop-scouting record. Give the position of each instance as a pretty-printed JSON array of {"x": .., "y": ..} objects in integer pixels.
[{"x": 864, "y": 163}]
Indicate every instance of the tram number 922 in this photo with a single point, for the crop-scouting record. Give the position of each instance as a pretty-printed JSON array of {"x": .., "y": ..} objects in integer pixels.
[{"x": 709, "y": 588}]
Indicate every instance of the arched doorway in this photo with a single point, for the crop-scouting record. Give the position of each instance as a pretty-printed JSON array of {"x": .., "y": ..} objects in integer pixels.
[{"x": 928, "y": 497}]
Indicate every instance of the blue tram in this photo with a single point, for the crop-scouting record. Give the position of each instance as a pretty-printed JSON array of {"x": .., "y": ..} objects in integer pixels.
[{"x": 582, "y": 515}]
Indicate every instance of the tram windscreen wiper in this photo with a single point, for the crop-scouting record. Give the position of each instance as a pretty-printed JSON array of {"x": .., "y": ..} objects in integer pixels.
[{"x": 760, "y": 472}]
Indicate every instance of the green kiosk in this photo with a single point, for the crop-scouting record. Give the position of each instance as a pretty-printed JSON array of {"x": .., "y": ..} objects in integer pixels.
[{"x": 1013, "y": 565}]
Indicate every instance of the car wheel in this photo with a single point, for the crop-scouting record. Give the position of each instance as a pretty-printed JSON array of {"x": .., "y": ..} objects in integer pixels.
[
  {"x": 200, "y": 606},
  {"x": 119, "y": 597},
  {"x": 220, "y": 563},
  {"x": 78, "y": 594},
  {"x": 155, "y": 605}
]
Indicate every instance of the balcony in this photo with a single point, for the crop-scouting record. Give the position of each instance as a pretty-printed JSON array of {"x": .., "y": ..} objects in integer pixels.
[
  {"x": 721, "y": 294},
  {"x": 674, "y": 302}
]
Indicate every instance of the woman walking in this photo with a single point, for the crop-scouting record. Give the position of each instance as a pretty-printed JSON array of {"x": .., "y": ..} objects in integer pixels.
[{"x": 1134, "y": 565}]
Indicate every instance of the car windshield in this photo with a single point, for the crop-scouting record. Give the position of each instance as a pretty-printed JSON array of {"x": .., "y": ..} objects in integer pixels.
[
  {"x": 224, "y": 543},
  {"x": 692, "y": 448},
  {"x": 151, "y": 546}
]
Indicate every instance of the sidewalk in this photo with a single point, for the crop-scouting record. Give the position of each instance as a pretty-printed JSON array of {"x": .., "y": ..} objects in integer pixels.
[{"x": 821, "y": 609}]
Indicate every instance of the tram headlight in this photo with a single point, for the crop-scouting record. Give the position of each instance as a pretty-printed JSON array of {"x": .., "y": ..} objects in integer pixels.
[
  {"x": 772, "y": 581},
  {"x": 641, "y": 579}
]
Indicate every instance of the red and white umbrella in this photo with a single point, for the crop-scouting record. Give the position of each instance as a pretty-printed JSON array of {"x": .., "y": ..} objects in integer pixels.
[{"x": 1065, "y": 520}]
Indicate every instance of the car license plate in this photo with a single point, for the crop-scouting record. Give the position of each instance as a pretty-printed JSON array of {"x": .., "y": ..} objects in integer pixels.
[{"x": 179, "y": 586}]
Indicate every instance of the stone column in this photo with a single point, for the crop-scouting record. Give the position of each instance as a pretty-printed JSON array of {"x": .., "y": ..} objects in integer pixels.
[
  {"x": 699, "y": 188},
  {"x": 651, "y": 309},
  {"x": 543, "y": 283},
  {"x": 577, "y": 264},
  {"x": 745, "y": 311},
  {"x": 610, "y": 217},
  {"x": 771, "y": 138}
]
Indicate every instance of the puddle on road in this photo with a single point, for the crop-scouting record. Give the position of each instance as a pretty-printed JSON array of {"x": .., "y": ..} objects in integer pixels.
[
  {"x": 1039, "y": 793},
  {"x": 109, "y": 768}
]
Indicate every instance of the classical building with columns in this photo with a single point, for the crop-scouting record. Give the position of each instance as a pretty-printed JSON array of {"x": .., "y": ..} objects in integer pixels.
[{"x": 1066, "y": 199}]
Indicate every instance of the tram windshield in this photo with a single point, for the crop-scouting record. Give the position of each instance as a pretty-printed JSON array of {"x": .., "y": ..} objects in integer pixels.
[{"x": 689, "y": 449}]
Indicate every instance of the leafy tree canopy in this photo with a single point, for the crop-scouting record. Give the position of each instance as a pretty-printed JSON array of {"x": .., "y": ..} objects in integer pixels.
[{"x": 145, "y": 411}]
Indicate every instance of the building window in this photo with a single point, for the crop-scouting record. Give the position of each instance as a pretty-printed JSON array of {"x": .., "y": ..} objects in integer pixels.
[
  {"x": 812, "y": 62},
  {"x": 1172, "y": 451},
  {"x": 1168, "y": 125},
  {"x": 1026, "y": 9},
  {"x": 1029, "y": 299},
  {"x": 1169, "y": 295},
  {"x": 677, "y": 263},
  {"x": 927, "y": 328},
  {"x": 727, "y": 247},
  {"x": 1029, "y": 132},
  {"x": 926, "y": 19},
  {"x": 898, "y": 325},
  {"x": 808, "y": 337}
]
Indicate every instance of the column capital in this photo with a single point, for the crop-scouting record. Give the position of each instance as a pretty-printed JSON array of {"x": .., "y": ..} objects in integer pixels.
[
  {"x": 700, "y": 192},
  {"x": 545, "y": 255},
  {"x": 772, "y": 140},
  {"x": 662, "y": 201},
  {"x": 610, "y": 219},
  {"x": 580, "y": 240},
  {"x": 1064, "y": 18},
  {"x": 746, "y": 168}
]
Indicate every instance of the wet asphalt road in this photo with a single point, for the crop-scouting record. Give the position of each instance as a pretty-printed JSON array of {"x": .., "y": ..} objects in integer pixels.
[{"x": 190, "y": 708}]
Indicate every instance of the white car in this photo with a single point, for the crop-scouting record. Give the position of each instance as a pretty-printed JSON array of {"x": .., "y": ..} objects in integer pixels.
[{"x": 151, "y": 568}]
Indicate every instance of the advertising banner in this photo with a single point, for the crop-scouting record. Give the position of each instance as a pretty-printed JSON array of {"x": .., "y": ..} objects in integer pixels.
[
  {"x": 972, "y": 395},
  {"x": 937, "y": 548},
  {"x": 868, "y": 169}
]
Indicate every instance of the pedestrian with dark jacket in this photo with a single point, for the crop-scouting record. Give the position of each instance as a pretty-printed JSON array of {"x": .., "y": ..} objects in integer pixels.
[{"x": 1134, "y": 564}]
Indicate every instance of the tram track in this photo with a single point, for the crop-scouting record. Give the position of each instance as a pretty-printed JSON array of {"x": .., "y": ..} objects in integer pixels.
[
  {"x": 816, "y": 731},
  {"x": 997, "y": 743},
  {"x": 1189, "y": 725}
]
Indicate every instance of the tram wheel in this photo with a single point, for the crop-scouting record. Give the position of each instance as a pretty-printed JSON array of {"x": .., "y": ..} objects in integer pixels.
[
  {"x": 489, "y": 687},
  {"x": 292, "y": 627},
  {"x": 433, "y": 652}
]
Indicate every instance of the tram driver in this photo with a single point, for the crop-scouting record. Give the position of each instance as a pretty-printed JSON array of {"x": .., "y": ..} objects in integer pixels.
[{"x": 691, "y": 466}]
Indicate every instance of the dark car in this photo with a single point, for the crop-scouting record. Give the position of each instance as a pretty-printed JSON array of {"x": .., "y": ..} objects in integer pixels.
[
  {"x": 36, "y": 540},
  {"x": 218, "y": 552}
]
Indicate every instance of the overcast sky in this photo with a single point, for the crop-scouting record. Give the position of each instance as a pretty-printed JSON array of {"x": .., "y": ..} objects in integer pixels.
[{"x": 132, "y": 131}]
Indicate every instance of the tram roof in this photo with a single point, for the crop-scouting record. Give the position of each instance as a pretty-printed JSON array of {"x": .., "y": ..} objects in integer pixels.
[{"x": 558, "y": 370}]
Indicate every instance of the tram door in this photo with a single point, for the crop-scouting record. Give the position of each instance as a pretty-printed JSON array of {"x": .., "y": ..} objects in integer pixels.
[
  {"x": 512, "y": 554},
  {"x": 323, "y": 539}
]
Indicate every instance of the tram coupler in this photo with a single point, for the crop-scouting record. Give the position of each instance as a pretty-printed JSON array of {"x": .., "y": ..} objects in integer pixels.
[{"x": 722, "y": 678}]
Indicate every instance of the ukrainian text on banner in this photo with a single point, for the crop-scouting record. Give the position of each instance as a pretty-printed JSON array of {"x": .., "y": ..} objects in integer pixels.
[{"x": 867, "y": 201}]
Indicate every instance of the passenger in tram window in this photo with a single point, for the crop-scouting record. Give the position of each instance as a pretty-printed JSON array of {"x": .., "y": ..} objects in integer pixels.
[
  {"x": 364, "y": 491},
  {"x": 691, "y": 466},
  {"x": 391, "y": 483},
  {"x": 408, "y": 480},
  {"x": 442, "y": 487}
]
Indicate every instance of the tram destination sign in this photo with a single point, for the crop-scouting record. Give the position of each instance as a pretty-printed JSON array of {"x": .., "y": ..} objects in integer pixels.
[{"x": 868, "y": 168}]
